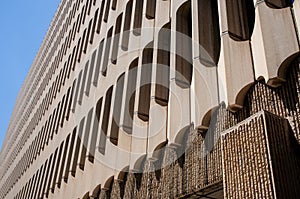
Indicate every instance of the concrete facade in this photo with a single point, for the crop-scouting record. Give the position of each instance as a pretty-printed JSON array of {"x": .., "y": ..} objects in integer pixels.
[{"x": 160, "y": 99}]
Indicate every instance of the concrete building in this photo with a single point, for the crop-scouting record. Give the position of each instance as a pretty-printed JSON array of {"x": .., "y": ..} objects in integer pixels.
[{"x": 160, "y": 99}]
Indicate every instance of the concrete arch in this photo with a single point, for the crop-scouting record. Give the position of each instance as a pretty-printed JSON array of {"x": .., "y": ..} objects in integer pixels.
[
  {"x": 109, "y": 182},
  {"x": 206, "y": 119},
  {"x": 140, "y": 163},
  {"x": 182, "y": 135},
  {"x": 158, "y": 150},
  {"x": 123, "y": 173},
  {"x": 96, "y": 191},
  {"x": 239, "y": 99},
  {"x": 284, "y": 66},
  {"x": 86, "y": 196}
]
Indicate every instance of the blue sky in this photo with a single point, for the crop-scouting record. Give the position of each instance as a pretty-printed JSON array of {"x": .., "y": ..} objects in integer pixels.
[{"x": 24, "y": 24}]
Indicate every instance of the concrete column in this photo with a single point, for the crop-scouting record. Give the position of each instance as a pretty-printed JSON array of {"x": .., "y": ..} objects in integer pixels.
[
  {"x": 204, "y": 87},
  {"x": 158, "y": 114},
  {"x": 179, "y": 99},
  {"x": 140, "y": 127},
  {"x": 274, "y": 40},
  {"x": 235, "y": 69}
]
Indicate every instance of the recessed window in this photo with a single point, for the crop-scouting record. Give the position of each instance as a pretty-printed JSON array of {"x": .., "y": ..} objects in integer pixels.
[
  {"x": 114, "y": 133},
  {"x": 184, "y": 46},
  {"x": 150, "y": 9},
  {"x": 105, "y": 120},
  {"x": 98, "y": 63},
  {"x": 163, "y": 66},
  {"x": 95, "y": 130},
  {"x": 209, "y": 32},
  {"x": 240, "y": 18},
  {"x": 145, "y": 83},
  {"x": 127, "y": 22},
  {"x": 115, "y": 47},
  {"x": 130, "y": 97},
  {"x": 106, "y": 52},
  {"x": 138, "y": 17},
  {"x": 100, "y": 17}
]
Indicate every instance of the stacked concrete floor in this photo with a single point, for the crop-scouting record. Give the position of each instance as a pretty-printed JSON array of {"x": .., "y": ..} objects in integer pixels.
[{"x": 160, "y": 99}]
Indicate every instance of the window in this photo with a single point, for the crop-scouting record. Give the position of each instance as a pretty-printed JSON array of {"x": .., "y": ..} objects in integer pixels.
[
  {"x": 106, "y": 10},
  {"x": 145, "y": 86},
  {"x": 106, "y": 52},
  {"x": 184, "y": 46},
  {"x": 100, "y": 17},
  {"x": 90, "y": 73},
  {"x": 163, "y": 66},
  {"x": 150, "y": 9},
  {"x": 115, "y": 48},
  {"x": 209, "y": 32},
  {"x": 105, "y": 120},
  {"x": 126, "y": 28},
  {"x": 138, "y": 17},
  {"x": 85, "y": 136},
  {"x": 95, "y": 130},
  {"x": 98, "y": 63},
  {"x": 114, "y": 133},
  {"x": 240, "y": 18},
  {"x": 94, "y": 26}
]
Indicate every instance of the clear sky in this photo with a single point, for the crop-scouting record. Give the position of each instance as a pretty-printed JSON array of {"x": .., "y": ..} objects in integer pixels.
[{"x": 23, "y": 25}]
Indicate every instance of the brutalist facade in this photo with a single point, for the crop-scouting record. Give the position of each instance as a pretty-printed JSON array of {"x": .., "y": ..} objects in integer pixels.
[{"x": 160, "y": 99}]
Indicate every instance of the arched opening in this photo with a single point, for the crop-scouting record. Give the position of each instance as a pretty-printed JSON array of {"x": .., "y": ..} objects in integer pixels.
[
  {"x": 114, "y": 134},
  {"x": 96, "y": 192},
  {"x": 145, "y": 83},
  {"x": 77, "y": 143},
  {"x": 100, "y": 17},
  {"x": 98, "y": 63},
  {"x": 85, "y": 139},
  {"x": 163, "y": 66},
  {"x": 127, "y": 22},
  {"x": 90, "y": 73},
  {"x": 209, "y": 32},
  {"x": 150, "y": 9},
  {"x": 138, "y": 17},
  {"x": 105, "y": 120},
  {"x": 184, "y": 45},
  {"x": 181, "y": 139},
  {"x": 86, "y": 196},
  {"x": 115, "y": 48},
  {"x": 95, "y": 130},
  {"x": 240, "y": 19},
  {"x": 94, "y": 26},
  {"x": 106, "y": 52},
  {"x": 106, "y": 11},
  {"x": 130, "y": 97},
  {"x": 114, "y": 4}
]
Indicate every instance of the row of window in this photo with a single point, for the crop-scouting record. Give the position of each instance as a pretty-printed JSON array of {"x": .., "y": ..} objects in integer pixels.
[
  {"x": 50, "y": 73},
  {"x": 89, "y": 74},
  {"x": 43, "y": 138},
  {"x": 45, "y": 81}
]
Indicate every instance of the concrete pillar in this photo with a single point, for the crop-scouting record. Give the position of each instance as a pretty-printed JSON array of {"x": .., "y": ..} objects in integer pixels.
[
  {"x": 179, "y": 99},
  {"x": 204, "y": 86},
  {"x": 158, "y": 114},
  {"x": 274, "y": 40},
  {"x": 235, "y": 69}
]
